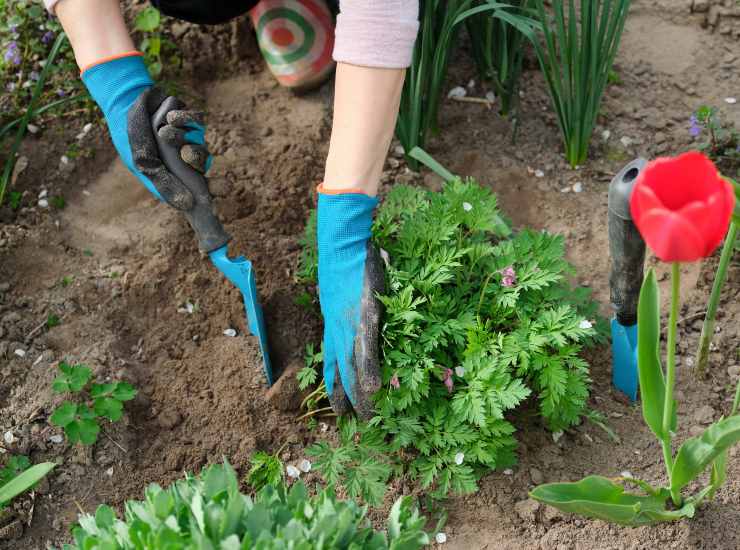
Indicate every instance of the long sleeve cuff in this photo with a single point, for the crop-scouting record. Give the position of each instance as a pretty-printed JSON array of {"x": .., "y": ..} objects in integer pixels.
[{"x": 376, "y": 33}]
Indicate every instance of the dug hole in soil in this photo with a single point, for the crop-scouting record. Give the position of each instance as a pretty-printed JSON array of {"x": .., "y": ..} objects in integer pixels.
[{"x": 133, "y": 268}]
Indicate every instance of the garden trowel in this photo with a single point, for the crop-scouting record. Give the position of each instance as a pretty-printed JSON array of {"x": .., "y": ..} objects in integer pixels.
[
  {"x": 628, "y": 258},
  {"x": 212, "y": 238}
]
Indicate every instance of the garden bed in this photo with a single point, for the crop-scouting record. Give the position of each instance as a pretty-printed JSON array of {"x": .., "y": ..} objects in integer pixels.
[{"x": 119, "y": 270}]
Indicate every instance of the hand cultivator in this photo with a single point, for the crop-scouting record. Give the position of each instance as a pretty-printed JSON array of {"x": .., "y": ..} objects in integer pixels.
[
  {"x": 212, "y": 238},
  {"x": 628, "y": 257}
]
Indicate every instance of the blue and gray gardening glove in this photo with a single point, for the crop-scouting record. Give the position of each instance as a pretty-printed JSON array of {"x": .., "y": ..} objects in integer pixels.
[
  {"x": 135, "y": 109},
  {"x": 350, "y": 275}
]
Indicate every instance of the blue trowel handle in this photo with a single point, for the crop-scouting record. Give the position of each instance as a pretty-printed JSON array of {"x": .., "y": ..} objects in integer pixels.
[
  {"x": 626, "y": 246},
  {"x": 211, "y": 234}
]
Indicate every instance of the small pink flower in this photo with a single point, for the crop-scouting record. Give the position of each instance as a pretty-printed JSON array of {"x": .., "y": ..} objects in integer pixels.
[
  {"x": 508, "y": 276},
  {"x": 395, "y": 384},
  {"x": 448, "y": 380}
]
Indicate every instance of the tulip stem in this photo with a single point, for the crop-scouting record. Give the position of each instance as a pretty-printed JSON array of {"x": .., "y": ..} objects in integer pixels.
[
  {"x": 670, "y": 381},
  {"x": 707, "y": 330}
]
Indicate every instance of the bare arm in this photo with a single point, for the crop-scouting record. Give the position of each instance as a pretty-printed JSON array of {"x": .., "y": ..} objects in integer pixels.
[
  {"x": 95, "y": 28},
  {"x": 365, "y": 110}
]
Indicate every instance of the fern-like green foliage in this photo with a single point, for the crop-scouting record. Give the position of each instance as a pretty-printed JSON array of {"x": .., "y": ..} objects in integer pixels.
[{"x": 477, "y": 320}]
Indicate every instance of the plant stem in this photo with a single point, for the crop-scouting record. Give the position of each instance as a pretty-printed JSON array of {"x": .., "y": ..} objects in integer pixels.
[
  {"x": 707, "y": 330},
  {"x": 670, "y": 381}
]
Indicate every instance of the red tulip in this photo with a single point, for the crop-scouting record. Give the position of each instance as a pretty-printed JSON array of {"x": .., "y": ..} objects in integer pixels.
[{"x": 682, "y": 207}]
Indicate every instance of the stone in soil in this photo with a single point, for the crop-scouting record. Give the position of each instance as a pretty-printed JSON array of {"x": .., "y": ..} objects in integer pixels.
[{"x": 527, "y": 509}]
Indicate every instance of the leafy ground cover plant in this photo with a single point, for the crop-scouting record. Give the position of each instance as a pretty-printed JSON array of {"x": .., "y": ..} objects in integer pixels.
[
  {"x": 18, "y": 476},
  {"x": 477, "y": 320},
  {"x": 158, "y": 50},
  {"x": 576, "y": 58},
  {"x": 267, "y": 469},
  {"x": 208, "y": 511},
  {"x": 439, "y": 22},
  {"x": 498, "y": 50},
  {"x": 658, "y": 207},
  {"x": 80, "y": 419}
]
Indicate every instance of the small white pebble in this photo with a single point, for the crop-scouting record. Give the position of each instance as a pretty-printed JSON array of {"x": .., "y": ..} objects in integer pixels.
[
  {"x": 441, "y": 538},
  {"x": 323, "y": 427},
  {"x": 565, "y": 190},
  {"x": 626, "y": 474},
  {"x": 605, "y": 135},
  {"x": 577, "y": 187},
  {"x": 20, "y": 353},
  {"x": 304, "y": 466},
  {"x": 87, "y": 127},
  {"x": 490, "y": 96},
  {"x": 539, "y": 174},
  {"x": 460, "y": 371},
  {"x": 56, "y": 438},
  {"x": 292, "y": 471},
  {"x": 457, "y": 91},
  {"x": 467, "y": 206},
  {"x": 86, "y": 192},
  {"x": 32, "y": 128},
  {"x": 730, "y": 100},
  {"x": 230, "y": 332},
  {"x": 64, "y": 159},
  {"x": 8, "y": 437},
  {"x": 689, "y": 361},
  {"x": 471, "y": 83},
  {"x": 80, "y": 136},
  {"x": 43, "y": 194},
  {"x": 38, "y": 360},
  {"x": 585, "y": 324},
  {"x": 398, "y": 150},
  {"x": 626, "y": 141},
  {"x": 588, "y": 438},
  {"x": 43, "y": 203},
  {"x": 508, "y": 472},
  {"x": 556, "y": 436},
  {"x": 459, "y": 457}
]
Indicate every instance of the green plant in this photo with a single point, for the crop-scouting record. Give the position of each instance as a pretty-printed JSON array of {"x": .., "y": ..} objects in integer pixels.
[
  {"x": 422, "y": 88},
  {"x": 308, "y": 375},
  {"x": 728, "y": 249},
  {"x": 498, "y": 51},
  {"x": 18, "y": 476},
  {"x": 80, "y": 420},
  {"x": 722, "y": 141},
  {"x": 266, "y": 469},
  {"x": 599, "y": 497},
  {"x": 361, "y": 462},
  {"x": 52, "y": 320},
  {"x": 476, "y": 320},
  {"x": 14, "y": 199},
  {"x": 576, "y": 58},
  {"x": 26, "y": 37},
  {"x": 155, "y": 47},
  {"x": 208, "y": 511}
]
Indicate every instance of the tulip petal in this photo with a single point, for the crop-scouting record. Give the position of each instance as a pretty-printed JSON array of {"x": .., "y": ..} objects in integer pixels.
[
  {"x": 670, "y": 236},
  {"x": 679, "y": 181},
  {"x": 643, "y": 200}
]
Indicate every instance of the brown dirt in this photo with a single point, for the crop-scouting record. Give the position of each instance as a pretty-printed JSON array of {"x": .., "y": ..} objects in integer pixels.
[{"x": 202, "y": 396}]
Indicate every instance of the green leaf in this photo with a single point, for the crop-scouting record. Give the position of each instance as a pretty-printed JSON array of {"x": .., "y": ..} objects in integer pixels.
[
  {"x": 147, "y": 20},
  {"x": 306, "y": 377},
  {"x": 109, "y": 408},
  {"x": 79, "y": 377},
  {"x": 652, "y": 381},
  {"x": 64, "y": 414},
  {"x": 124, "y": 391},
  {"x": 600, "y": 498},
  {"x": 719, "y": 473},
  {"x": 88, "y": 431},
  {"x": 699, "y": 452},
  {"x": 24, "y": 481}
]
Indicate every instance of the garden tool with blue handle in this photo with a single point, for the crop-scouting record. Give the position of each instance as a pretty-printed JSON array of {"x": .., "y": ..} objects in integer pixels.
[
  {"x": 627, "y": 250},
  {"x": 212, "y": 238}
]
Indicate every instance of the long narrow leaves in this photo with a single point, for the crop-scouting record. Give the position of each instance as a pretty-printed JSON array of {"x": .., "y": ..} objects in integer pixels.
[
  {"x": 422, "y": 90},
  {"x": 24, "y": 481},
  {"x": 576, "y": 56},
  {"x": 10, "y": 161}
]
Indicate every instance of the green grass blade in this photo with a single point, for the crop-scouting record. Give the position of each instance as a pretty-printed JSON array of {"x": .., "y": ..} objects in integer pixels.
[{"x": 24, "y": 481}]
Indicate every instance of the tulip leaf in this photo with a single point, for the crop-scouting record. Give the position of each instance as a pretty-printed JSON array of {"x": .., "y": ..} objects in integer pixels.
[
  {"x": 24, "y": 481},
  {"x": 598, "y": 497},
  {"x": 719, "y": 473},
  {"x": 652, "y": 381},
  {"x": 699, "y": 452}
]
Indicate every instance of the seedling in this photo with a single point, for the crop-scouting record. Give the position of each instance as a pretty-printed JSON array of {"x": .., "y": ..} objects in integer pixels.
[
  {"x": 18, "y": 476},
  {"x": 58, "y": 202},
  {"x": 266, "y": 469},
  {"x": 66, "y": 281},
  {"x": 81, "y": 419},
  {"x": 52, "y": 320},
  {"x": 14, "y": 199},
  {"x": 307, "y": 375},
  {"x": 154, "y": 45}
]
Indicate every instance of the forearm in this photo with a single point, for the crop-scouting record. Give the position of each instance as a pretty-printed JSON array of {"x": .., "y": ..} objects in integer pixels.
[
  {"x": 366, "y": 104},
  {"x": 95, "y": 28}
]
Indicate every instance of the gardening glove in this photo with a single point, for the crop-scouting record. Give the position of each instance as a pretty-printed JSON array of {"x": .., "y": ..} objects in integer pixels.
[
  {"x": 350, "y": 275},
  {"x": 134, "y": 108}
]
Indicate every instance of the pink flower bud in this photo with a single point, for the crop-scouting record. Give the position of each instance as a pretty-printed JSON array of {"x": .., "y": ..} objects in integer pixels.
[
  {"x": 448, "y": 380},
  {"x": 395, "y": 384}
]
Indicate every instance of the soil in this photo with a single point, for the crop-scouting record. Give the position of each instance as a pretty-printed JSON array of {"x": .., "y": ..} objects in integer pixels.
[{"x": 120, "y": 269}]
